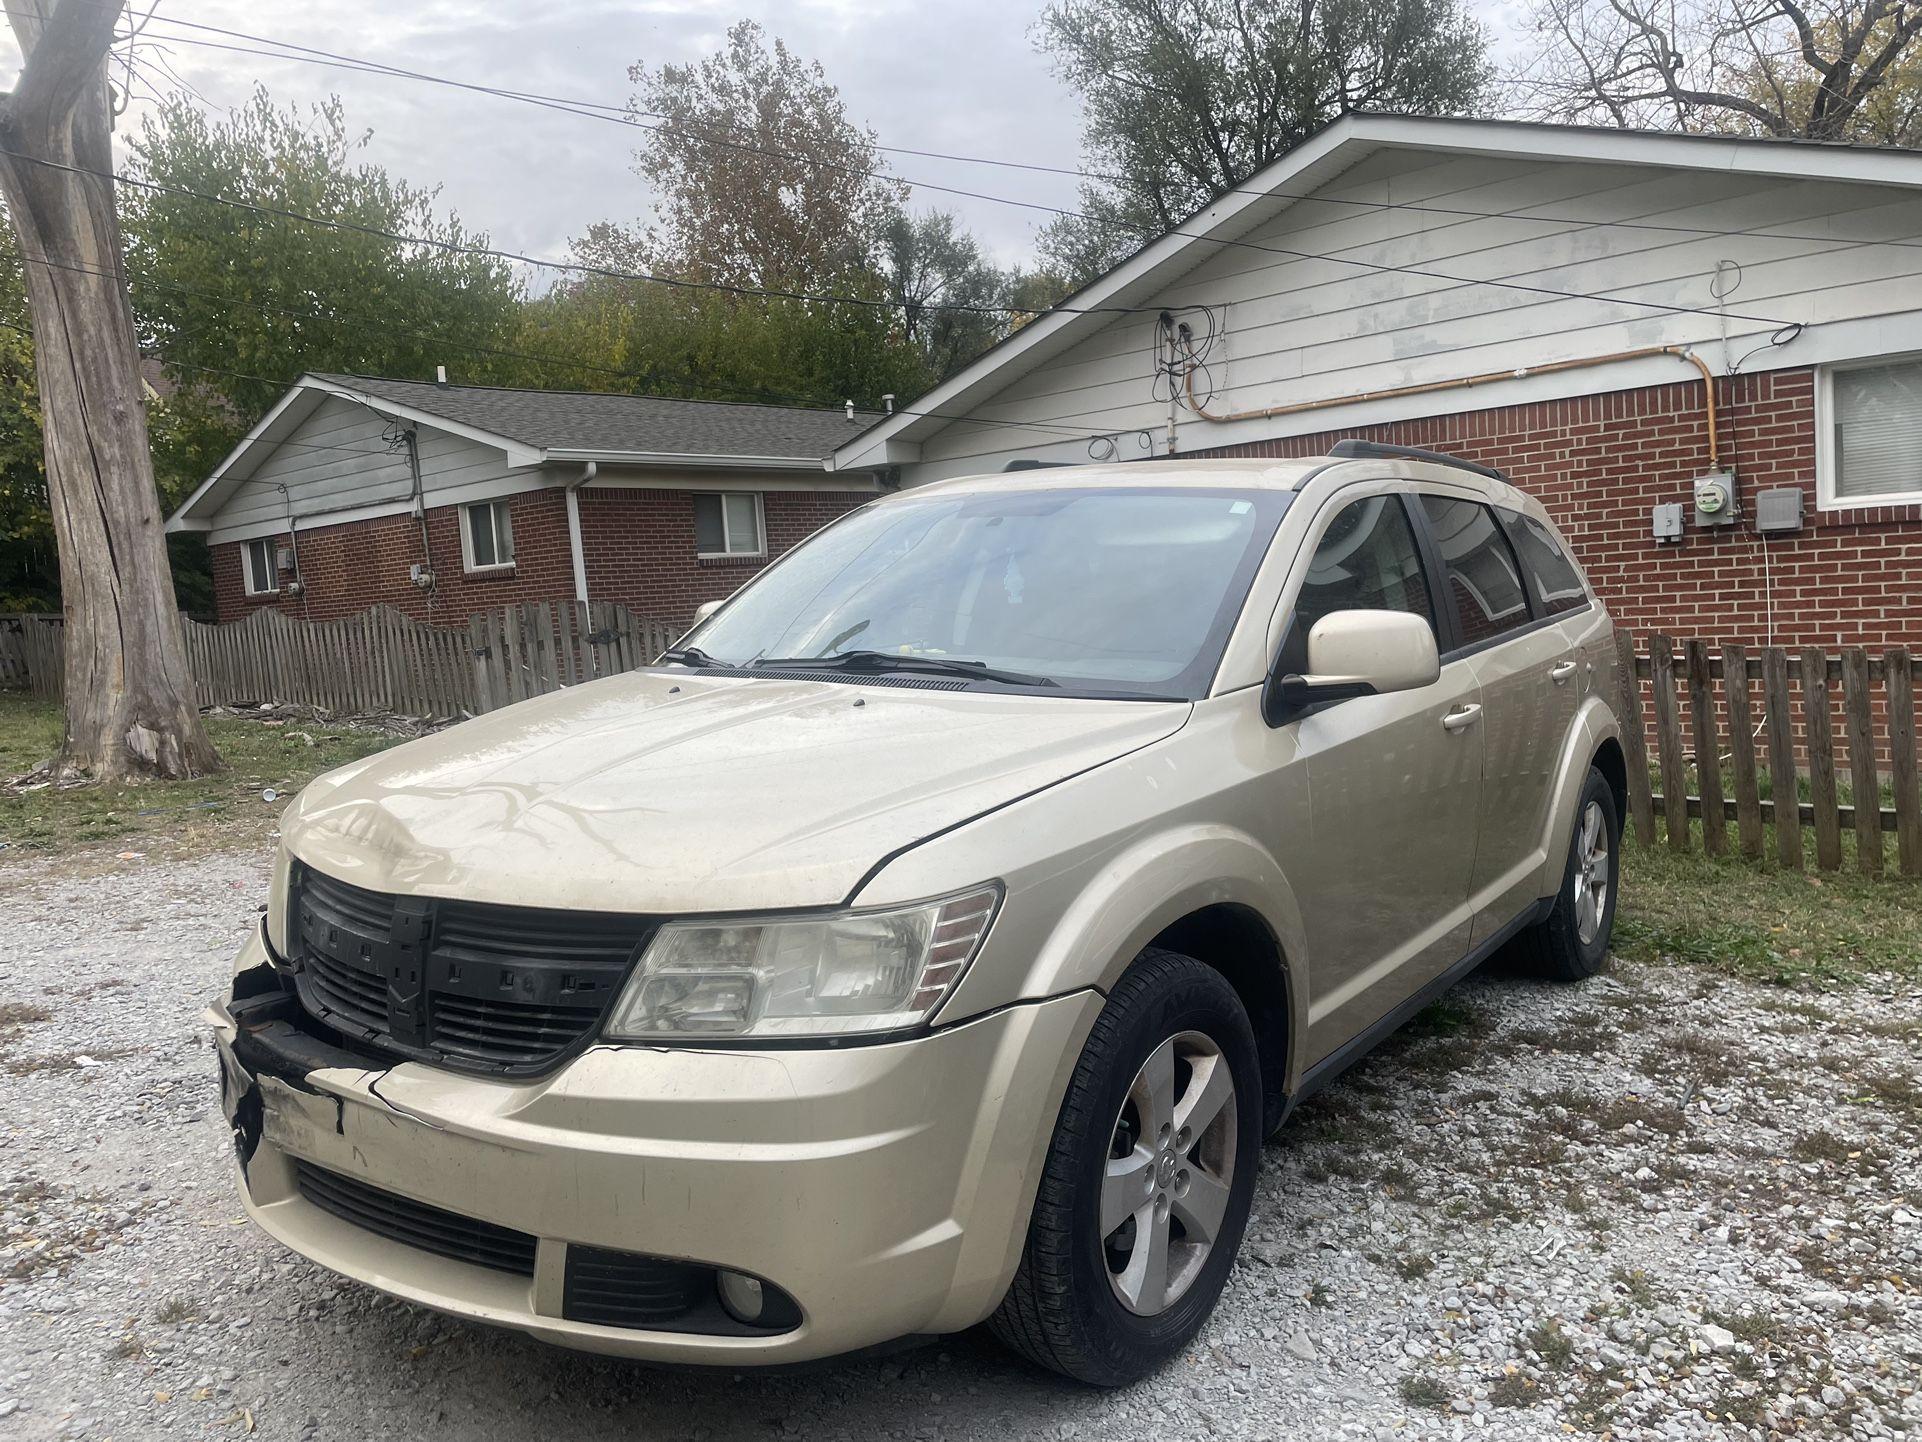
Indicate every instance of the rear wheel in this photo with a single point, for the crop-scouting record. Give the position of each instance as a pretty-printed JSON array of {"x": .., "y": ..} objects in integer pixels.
[
  {"x": 1572, "y": 942},
  {"x": 1148, "y": 1180}
]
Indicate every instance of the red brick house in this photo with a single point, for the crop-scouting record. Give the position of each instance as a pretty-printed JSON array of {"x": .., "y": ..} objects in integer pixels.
[
  {"x": 1610, "y": 317},
  {"x": 444, "y": 500}
]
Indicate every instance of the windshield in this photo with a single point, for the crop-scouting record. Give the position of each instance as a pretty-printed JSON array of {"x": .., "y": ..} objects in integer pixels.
[{"x": 1126, "y": 590}]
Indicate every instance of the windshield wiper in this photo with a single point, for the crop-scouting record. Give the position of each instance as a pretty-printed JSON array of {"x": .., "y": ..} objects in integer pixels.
[
  {"x": 877, "y": 661},
  {"x": 688, "y": 656}
]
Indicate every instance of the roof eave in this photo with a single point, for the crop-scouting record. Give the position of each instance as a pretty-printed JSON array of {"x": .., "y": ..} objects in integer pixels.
[{"x": 683, "y": 459}]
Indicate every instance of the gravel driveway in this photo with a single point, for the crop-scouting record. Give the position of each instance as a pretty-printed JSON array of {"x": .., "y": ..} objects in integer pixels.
[{"x": 1661, "y": 1204}]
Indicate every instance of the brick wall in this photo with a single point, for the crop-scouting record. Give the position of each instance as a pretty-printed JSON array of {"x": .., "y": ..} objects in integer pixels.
[
  {"x": 349, "y": 568},
  {"x": 639, "y": 547},
  {"x": 1599, "y": 463}
]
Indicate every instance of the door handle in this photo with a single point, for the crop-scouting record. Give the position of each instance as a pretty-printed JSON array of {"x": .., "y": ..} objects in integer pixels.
[
  {"x": 1462, "y": 717},
  {"x": 1559, "y": 674}
]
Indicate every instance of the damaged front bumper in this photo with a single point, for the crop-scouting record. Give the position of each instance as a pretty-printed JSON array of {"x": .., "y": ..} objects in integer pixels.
[{"x": 884, "y": 1189}]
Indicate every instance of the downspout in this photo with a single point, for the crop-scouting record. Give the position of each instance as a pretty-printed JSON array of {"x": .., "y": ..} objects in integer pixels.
[
  {"x": 1485, "y": 378},
  {"x": 588, "y": 472}
]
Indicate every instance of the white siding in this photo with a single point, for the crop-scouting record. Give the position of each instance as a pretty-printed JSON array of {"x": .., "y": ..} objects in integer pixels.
[
  {"x": 1304, "y": 322},
  {"x": 338, "y": 459}
]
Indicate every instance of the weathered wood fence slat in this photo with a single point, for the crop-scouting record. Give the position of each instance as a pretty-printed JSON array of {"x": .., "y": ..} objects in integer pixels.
[
  {"x": 1719, "y": 775},
  {"x": 379, "y": 660}
]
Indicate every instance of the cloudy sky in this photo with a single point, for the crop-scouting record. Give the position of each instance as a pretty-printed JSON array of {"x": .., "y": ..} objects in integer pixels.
[{"x": 925, "y": 74}]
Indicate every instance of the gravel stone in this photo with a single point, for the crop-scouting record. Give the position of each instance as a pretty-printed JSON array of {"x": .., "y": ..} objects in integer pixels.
[{"x": 1662, "y": 1204}]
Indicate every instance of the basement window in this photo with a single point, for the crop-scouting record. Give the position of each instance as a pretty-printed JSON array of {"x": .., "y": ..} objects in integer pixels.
[
  {"x": 728, "y": 525},
  {"x": 262, "y": 567},
  {"x": 487, "y": 537},
  {"x": 1871, "y": 435}
]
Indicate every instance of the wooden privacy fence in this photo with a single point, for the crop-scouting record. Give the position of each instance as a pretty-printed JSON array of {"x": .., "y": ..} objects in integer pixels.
[
  {"x": 1758, "y": 736},
  {"x": 379, "y": 660},
  {"x": 30, "y": 651}
]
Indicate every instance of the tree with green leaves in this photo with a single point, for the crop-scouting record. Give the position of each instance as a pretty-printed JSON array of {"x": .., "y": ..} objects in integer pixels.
[
  {"x": 761, "y": 178},
  {"x": 237, "y": 301},
  {"x": 1186, "y": 98}
]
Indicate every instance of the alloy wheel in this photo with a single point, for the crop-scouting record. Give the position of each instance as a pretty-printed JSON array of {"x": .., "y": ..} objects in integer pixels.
[
  {"x": 1171, "y": 1165},
  {"x": 1591, "y": 874}
]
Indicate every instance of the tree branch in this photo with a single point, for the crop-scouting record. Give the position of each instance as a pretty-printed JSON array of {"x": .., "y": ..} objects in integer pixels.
[{"x": 62, "y": 49}]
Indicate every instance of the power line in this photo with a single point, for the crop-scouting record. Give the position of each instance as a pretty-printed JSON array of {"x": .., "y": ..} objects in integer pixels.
[
  {"x": 612, "y": 273},
  {"x": 634, "y": 119}
]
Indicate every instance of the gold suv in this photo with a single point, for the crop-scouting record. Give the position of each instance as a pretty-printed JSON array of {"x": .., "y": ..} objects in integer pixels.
[{"x": 934, "y": 935}]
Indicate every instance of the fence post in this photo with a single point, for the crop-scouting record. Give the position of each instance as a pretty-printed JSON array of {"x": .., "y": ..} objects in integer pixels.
[
  {"x": 1821, "y": 733},
  {"x": 1708, "y": 750},
  {"x": 1741, "y": 735},
  {"x": 1863, "y": 780},
  {"x": 1784, "y": 787},
  {"x": 1898, "y": 680},
  {"x": 1668, "y": 741}
]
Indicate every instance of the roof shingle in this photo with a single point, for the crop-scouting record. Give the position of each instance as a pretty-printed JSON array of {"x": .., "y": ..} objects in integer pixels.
[{"x": 600, "y": 421}]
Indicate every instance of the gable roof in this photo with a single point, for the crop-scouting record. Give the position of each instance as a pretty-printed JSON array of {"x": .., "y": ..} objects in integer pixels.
[
  {"x": 1338, "y": 147},
  {"x": 532, "y": 427},
  {"x": 610, "y": 424}
]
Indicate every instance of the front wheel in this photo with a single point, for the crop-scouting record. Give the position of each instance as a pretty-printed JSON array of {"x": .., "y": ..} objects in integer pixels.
[
  {"x": 1148, "y": 1181},
  {"x": 1573, "y": 941}
]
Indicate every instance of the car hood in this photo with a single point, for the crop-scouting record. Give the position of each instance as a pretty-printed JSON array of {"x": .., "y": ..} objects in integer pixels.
[{"x": 670, "y": 791}]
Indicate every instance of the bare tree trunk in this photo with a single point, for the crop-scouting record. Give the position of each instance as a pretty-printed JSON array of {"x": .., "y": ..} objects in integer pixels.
[{"x": 130, "y": 706}]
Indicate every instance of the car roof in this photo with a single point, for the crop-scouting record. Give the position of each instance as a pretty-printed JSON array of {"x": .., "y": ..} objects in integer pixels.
[{"x": 1211, "y": 473}]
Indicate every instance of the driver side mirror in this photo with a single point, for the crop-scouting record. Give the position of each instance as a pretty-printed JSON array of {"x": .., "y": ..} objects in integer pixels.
[
  {"x": 1364, "y": 653},
  {"x": 706, "y": 609}
]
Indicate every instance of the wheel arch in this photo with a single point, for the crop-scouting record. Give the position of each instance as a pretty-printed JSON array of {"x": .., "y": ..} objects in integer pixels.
[{"x": 1594, "y": 741}]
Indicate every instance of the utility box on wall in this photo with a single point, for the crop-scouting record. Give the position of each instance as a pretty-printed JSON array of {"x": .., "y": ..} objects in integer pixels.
[
  {"x": 1665, "y": 523},
  {"x": 1778, "y": 509},
  {"x": 1715, "y": 500}
]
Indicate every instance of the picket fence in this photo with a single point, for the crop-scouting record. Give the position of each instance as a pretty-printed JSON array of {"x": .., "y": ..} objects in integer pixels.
[
  {"x": 1736, "y": 736},
  {"x": 379, "y": 660}
]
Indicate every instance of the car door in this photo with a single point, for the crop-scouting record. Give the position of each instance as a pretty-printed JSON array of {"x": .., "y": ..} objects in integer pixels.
[
  {"x": 1394, "y": 785},
  {"x": 1521, "y": 661}
]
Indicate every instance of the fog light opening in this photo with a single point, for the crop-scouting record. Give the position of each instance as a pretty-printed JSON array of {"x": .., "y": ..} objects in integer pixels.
[{"x": 744, "y": 1297}]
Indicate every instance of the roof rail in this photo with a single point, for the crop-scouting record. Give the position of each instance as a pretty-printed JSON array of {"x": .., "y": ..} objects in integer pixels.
[{"x": 1353, "y": 450}]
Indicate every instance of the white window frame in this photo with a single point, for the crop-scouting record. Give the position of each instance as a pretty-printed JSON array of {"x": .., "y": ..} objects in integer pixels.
[
  {"x": 495, "y": 510},
  {"x": 271, "y": 547},
  {"x": 1825, "y": 471},
  {"x": 727, "y": 531}
]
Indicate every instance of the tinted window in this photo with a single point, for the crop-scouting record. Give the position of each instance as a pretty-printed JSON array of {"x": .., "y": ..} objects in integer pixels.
[
  {"x": 1557, "y": 583},
  {"x": 1367, "y": 560},
  {"x": 1130, "y": 588},
  {"x": 1483, "y": 583}
]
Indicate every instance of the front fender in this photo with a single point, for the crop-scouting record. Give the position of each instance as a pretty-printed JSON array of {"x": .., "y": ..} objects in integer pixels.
[
  {"x": 1594, "y": 724},
  {"x": 1052, "y": 944}
]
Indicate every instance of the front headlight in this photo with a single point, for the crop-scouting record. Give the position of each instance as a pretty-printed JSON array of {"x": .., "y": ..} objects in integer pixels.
[{"x": 799, "y": 976}]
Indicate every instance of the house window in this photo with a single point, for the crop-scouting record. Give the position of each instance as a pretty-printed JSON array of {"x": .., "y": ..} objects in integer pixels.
[
  {"x": 262, "y": 567},
  {"x": 728, "y": 525},
  {"x": 488, "y": 536},
  {"x": 1874, "y": 435}
]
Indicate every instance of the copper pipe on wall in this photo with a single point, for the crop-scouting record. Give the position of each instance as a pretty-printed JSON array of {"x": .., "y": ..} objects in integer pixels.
[{"x": 1485, "y": 378}]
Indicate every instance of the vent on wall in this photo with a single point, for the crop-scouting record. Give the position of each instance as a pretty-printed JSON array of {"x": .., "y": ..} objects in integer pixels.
[{"x": 1779, "y": 509}]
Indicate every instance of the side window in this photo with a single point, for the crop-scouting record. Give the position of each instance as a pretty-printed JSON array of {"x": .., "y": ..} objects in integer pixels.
[
  {"x": 1367, "y": 560},
  {"x": 1558, "y": 585},
  {"x": 1484, "y": 583}
]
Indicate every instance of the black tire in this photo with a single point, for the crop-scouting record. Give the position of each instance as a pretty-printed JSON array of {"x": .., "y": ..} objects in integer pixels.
[
  {"x": 1062, "y": 1311},
  {"x": 1554, "y": 947}
]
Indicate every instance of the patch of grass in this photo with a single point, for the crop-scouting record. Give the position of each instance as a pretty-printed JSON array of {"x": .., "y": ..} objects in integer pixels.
[
  {"x": 1640, "y": 1290},
  {"x": 176, "y": 1310},
  {"x": 1752, "y": 920},
  {"x": 21, "y": 1013},
  {"x": 1419, "y": 1389},
  {"x": 1897, "y": 1092},
  {"x": 1512, "y": 1389},
  {"x": 1319, "y": 1295},
  {"x": 1414, "y": 1267},
  {"x": 1824, "y": 1147},
  {"x": 58, "y": 818},
  {"x": 1757, "y": 1328},
  {"x": 1548, "y": 1341}
]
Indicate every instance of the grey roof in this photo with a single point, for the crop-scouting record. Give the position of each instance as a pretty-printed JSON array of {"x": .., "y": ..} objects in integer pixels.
[{"x": 600, "y": 421}]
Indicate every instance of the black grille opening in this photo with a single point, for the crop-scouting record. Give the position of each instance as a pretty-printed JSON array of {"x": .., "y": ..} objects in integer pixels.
[
  {"x": 628, "y": 1289},
  {"x": 401, "y": 1219},
  {"x": 506, "y": 989}
]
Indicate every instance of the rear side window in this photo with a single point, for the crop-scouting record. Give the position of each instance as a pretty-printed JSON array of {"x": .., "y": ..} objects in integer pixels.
[
  {"x": 1484, "y": 582},
  {"x": 1558, "y": 585},
  {"x": 1367, "y": 560}
]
